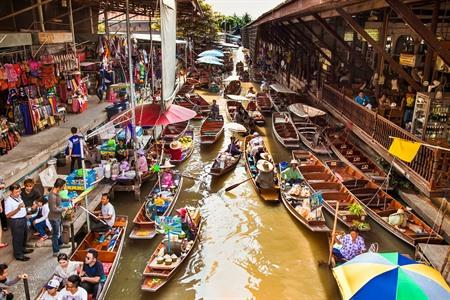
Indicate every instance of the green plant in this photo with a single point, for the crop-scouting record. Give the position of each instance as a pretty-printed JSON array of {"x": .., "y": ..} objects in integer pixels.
[{"x": 356, "y": 209}]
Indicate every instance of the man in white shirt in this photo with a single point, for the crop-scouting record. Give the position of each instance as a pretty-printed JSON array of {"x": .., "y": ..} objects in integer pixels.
[
  {"x": 51, "y": 290},
  {"x": 73, "y": 291},
  {"x": 106, "y": 216},
  {"x": 16, "y": 213}
]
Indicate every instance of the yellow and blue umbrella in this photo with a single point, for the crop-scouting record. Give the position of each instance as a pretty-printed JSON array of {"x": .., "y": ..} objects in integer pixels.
[{"x": 389, "y": 276}]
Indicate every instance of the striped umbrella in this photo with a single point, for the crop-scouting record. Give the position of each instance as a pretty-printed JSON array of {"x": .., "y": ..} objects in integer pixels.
[{"x": 389, "y": 276}]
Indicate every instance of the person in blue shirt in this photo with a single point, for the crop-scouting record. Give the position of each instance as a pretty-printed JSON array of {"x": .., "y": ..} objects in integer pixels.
[
  {"x": 76, "y": 142},
  {"x": 92, "y": 272},
  {"x": 362, "y": 99}
]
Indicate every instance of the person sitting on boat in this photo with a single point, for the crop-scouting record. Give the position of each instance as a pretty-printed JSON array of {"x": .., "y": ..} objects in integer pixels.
[
  {"x": 265, "y": 177},
  {"x": 51, "y": 290},
  {"x": 66, "y": 268},
  {"x": 142, "y": 164},
  {"x": 186, "y": 223},
  {"x": 256, "y": 140},
  {"x": 73, "y": 289},
  {"x": 292, "y": 174},
  {"x": 175, "y": 150},
  {"x": 398, "y": 219},
  {"x": 259, "y": 154},
  {"x": 233, "y": 147},
  {"x": 251, "y": 93},
  {"x": 107, "y": 214},
  {"x": 92, "y": 272},
  {"x": 121, "y": 150},
  {"x": 214, "y": 112},
  {"x": 349, "y": 246}
]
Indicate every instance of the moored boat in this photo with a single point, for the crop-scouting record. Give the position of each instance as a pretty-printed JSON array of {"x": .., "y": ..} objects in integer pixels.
[
  {"x": 159, "y": 268},
  {"x": 263, "y": 102},
  {"x": 174, "y": 131},
  {"x": 267, "y": 194},
  {"x": 211, "y": 130},
  {"x": 382, "y": 207},
  {"x": 159, "y": 202},
  {"x": 224, "y": 163},
  {"x": 284, "y": 130},
  {"x": 186, "y": 143},
  {"x": 321, "y": 179},
  {"x": 195, "y": 102},
  {"x": 254, "y": 113},
  {"x": 233, "y": 88}
]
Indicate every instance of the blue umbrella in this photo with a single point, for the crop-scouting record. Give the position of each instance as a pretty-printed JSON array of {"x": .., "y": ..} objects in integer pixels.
[
  {"x": 210, "y": 58},
  {"x": 210, "y": 61},
  {"x": 214, "y": 52}
]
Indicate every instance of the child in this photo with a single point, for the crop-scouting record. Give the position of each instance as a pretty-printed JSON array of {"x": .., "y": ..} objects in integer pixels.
[{"x": 40, "y": 221}]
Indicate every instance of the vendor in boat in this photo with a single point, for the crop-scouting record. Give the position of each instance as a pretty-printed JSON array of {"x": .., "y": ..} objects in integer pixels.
[
  {"x": 142, "y": 164},
  {"x": 107, "y": 214},
  {"x": 349, "y": 245},
  {"x": 121, "y": 150},
  {"x": 186, "y": 223},
  {"x": 214, "y": 113},
  {"x": 233, "y": 147},
  {"x": 398, "y": 219},
  {"x": 292, "y": 174},
  {"x": 256, "y": 140},
  {"x": 265, "y": 178},
  {"x": 175, "y": 150}
]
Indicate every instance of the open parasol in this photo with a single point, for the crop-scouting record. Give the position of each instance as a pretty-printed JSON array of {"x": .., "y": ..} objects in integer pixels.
[
  {"x": 235, "y": 127},
  {"x": 151, "y": 115},
  {"x": 213, "y": 52}
]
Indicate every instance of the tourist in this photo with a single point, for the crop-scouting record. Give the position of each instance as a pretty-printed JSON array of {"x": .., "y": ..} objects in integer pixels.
[
  {"x": 265, "y": 178},
  {"x": 292, "y": 174},
  {"x": 362, "y": 99},
  {"x": 66, "y": 268},
  {"x": 383, "y": 101},
  {"x": 233, "y": 147},
  {"x": 4, "y": 280},
  {"x": 16, "y": 213},
  {"x": 349, "y": 246},
  {"x": 121, "y": 150},
  {"x": 107, "y": 214},
  {"x": 56, "y": 210},
  {"x": 75, "y": 148},
  {"x": 4, "y": 220},
  {"x": 91, "y": 273},
  {"x": 51, "y": 290},
  {"x": 215, "y": 112},
  {"x": 176, "y": 150},
  {"x": 73, "y": 291},
  {"x": 29, "y": 193},
  {"x": 256, "y": 140},
  {"x": 408, "y": 104},
  {"x": 141, "y": 162},
  {"x": 40, "y": 222}
]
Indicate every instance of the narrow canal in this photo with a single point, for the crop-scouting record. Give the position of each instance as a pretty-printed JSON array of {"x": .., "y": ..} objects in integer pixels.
[{"x": 248, "y": 249}]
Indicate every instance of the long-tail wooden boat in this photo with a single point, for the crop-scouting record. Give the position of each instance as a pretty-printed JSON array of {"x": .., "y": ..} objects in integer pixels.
[
  {"x": 271, "y": 194},
  {"x": 144, "y": 227},
  {"x": 284, "y": 130},
  {"x": 220, "y": 167},
  {"x": 299, "y": 205},
  {"x": 379, "y": 205},
  {"x": 347, "y": 152},
  {"x": 233, "y": 88},
  {"x": 195, "y": 102},
  {"x": 188, "y": 147},
  {"x": 187, "y": 88},
  {"x": 322, "y": 179},
  {"x": 109, "y": 247},
  {"x": 232, "y": 106},
  {"x": 155, "y": 274},
  {"x": 254, "y": 113},
  {"x": 173, "y": 132},
  {"x": 211, "y": 130},
  {"x": 263, "y": 102}
]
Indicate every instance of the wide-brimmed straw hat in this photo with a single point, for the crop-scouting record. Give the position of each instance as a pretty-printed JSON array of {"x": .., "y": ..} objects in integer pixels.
[
  {"x": 265, "y": 156},
  {"x": 264, "y": 166},
  {"x": 167, "y": 164},
  {"x": 175, "y": 145},
  {"x": 294, "y": 161}
]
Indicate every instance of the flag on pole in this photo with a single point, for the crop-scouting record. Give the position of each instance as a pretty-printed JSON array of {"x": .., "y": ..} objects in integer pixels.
[{"x": 404, "y": 149}]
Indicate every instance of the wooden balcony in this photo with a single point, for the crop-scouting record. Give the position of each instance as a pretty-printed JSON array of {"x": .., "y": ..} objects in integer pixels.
[{"x": 429, "y": 171}]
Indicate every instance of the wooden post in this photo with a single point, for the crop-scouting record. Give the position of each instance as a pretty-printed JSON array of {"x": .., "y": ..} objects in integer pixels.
[
  {"x": 380, "y": 62},
  {"x": 430, "y": 53},
  {"x": 333, "y": 233},
  {"x": 105, "y": 16},
  {"x": 41, "y": 15}
]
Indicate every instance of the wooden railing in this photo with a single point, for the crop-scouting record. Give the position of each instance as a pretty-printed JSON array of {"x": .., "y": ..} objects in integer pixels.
[{"x": 431, "y": 167}]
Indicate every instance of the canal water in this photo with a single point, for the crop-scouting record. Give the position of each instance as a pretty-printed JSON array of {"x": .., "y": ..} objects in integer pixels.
[{"x": 247, "y": 249}]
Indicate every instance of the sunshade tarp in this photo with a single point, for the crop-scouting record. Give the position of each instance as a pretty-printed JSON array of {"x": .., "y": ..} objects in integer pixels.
[
  {"x": 281, "y": 89},
  {"x": 305, "y": 111},
  {"x": 151, "y": 115},
  {"x": 168, "y": 48},
  {"x": 235, "y": 127},
  {"x": 232, "y": 78},
  {"x": 237, "y": 98}
]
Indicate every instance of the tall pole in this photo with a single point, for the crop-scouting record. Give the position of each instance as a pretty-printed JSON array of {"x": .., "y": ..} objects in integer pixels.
[
  {"x": 72, "y": 29},
  {"x": 83, "y": 169},
  {"x": 151, "y": 53},
  {"x": 105, "y": 16},
  {"x": 41, "y": 15}
]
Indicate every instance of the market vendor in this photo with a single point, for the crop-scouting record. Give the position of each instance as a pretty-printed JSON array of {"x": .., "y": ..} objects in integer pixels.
[
  {"x": 349, "y": 246},
  {"x": 186, "y": 223},
  {"x": 121, "y": 150},
  {"x": 233, "y": 147},
  {"x": 398, "y": 219},
  {"x": 214, "y": 113},
  {"x": 142, "y": 164},
  {"x": 265, "y": 178},
  {"x": 175, "y": 150},
  {"x": 292, "y": 173}
]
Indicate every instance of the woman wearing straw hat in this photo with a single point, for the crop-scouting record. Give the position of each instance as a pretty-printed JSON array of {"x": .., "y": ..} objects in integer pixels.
[
  {"x": 175, "y": 151},
  {"x": 265, "y": 178}
]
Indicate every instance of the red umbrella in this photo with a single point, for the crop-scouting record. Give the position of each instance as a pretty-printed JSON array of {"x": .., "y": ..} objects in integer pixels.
[{"x": 151, "y": 115}]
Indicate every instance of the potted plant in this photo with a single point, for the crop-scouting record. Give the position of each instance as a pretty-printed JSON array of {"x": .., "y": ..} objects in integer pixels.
[{"x": 357, "y": 210}]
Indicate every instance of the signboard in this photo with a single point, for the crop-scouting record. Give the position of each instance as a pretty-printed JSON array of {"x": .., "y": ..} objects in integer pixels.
[
  {"x": 15, "y": 39},
  {"x": 54, "y": 37},
  {"x": 407, "y": 59}
]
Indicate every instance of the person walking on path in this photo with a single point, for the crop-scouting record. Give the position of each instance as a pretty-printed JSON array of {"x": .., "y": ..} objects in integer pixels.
[
  {"x": 75, "y": 146},
  {"x": 16, "y": 213},
  {"x": 54, "y": 216},
  {"x": 4, "y": 221}
]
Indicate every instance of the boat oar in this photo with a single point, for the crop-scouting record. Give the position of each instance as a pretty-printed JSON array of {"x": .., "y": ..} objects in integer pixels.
[
  {"x": 237, "y": 184},
  {"x": 330, "y": 256},
  {"x": 190, "y": 177},
  {"x": 97, "y": 218}
]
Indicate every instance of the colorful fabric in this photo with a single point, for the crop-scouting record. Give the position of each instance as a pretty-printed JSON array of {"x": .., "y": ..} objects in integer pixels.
[
  {"x": 403, "y": 149},
  {"x": 389, "y": 276},
  {"x": 352, "y": 248}
]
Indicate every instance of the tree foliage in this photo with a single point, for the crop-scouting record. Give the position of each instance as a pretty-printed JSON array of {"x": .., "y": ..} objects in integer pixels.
[{"x": 234, "y": 22}]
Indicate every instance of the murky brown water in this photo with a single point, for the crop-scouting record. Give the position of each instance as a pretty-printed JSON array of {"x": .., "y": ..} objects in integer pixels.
[{"x": 248, "y": 249}]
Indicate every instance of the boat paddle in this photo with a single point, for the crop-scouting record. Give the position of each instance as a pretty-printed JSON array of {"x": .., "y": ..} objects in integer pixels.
[
  {"x": 237, "y": 184},
  {"x": 333, "y": 233},
  {"x": 97, "y": 218}
]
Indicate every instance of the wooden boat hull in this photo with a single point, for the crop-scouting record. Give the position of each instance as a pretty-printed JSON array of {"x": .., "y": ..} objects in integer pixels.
[
  {"x": 233, "y": 88},
  {"x": 156, "y": 279},
  {"x": 174, "y": 131},
  {"x": 186, "y": 152},
  {"x": 211, "y": 131},
  {"x": 263, "y": 103},
  {"x": 269, "y": 195},
  {"x": 291, "y": 139},
  {"x": 216, "y": 172}
]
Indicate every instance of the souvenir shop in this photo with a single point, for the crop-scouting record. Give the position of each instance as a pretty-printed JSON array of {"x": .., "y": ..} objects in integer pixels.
[{"x": 38, "y": 85}]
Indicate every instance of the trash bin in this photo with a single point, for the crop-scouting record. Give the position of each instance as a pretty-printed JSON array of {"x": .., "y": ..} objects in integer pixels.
[{"x": 60, "y": 159}]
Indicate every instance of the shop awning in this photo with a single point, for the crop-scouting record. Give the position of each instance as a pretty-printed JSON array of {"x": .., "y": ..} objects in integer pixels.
[
  {"x": 281, "y": 89},
  {"x": 150, "y": 115}
]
